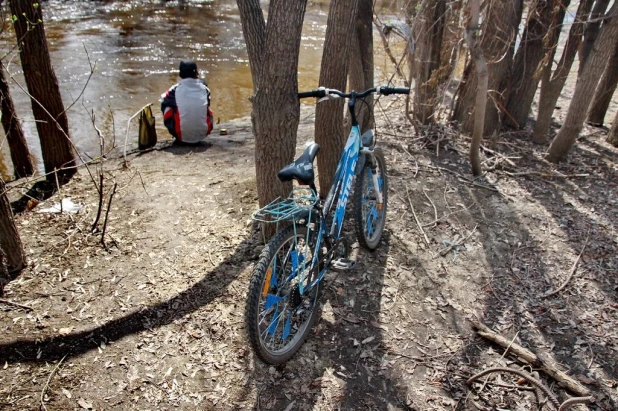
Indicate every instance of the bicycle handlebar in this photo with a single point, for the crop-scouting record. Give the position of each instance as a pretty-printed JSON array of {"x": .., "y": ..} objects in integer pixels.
[{"x": 323, "y": 92}]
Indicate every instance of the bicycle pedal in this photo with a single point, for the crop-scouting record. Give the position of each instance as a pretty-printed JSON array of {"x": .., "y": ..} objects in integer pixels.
[{"x": 342, "y": 264}]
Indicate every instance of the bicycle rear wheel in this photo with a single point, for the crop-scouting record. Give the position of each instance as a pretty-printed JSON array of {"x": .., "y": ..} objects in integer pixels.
[
  {"x": 370, "y": 216},
  {"x": 278, "y": 317}
]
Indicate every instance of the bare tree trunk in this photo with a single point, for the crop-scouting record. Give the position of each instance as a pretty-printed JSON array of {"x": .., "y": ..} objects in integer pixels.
[
  {"x": 20, "y": 154},
  {"x": 544, "y": 17},
  {"x": 588, "y": 80},
  {"x": 453, "y": 33},
  {"x": 553, "y": 84},
  {"x": 428, "y": 33},
  {"x": 591, "y": 31},
  {"x": 361, "y": 62},
  {"x": 482, "y": 80},
  {"x": 333, "y": 74},
  {"x": 47, "y": 107},
  {"x": 254, "y": 31},
  {"x": 605, "y": 91},
  {"x": 10, "y": 242},
  {"x": 497, "y": 44},
  {"x": 612, "y": 137},
  {"x": 273, "y": 54}
]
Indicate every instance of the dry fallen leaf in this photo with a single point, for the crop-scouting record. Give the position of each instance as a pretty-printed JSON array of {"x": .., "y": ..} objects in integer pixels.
[
  {"x": 65, "y": 330},
  {"x": 368, "y": 340},
  {"x": 84, "y": 404}
]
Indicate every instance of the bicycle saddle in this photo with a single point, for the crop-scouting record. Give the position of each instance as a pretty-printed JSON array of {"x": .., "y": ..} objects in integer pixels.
[{"x": 301, "y": 169}]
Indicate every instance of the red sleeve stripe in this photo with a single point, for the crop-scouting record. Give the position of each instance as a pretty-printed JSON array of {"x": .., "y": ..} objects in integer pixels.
[
  {"x": 209, "y": 120},
  {"x": 177, "y": 124}
]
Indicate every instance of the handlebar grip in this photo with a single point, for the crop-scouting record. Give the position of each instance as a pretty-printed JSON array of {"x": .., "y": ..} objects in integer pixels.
[
  {"x": 313, "y": 93},
  {"x": 394, "y": 90}
]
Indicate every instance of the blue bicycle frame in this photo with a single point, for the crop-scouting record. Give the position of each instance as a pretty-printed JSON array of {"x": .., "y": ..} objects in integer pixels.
[
  {"x": 342, "y": 181},
  {"x": 344, "y": 176}
]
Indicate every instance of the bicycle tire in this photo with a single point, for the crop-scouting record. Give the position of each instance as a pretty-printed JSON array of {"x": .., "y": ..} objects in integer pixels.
[
  {"x": 369, "y": 220},
  {"x": 258, "y": 300}
]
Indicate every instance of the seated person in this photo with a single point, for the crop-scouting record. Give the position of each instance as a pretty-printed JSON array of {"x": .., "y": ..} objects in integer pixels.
[{"x": 186, "y": 106}]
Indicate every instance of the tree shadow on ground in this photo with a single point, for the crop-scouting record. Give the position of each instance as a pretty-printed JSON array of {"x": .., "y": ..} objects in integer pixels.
[
  {"x": 211, "y": 286},
  {"x": 566, "y": 200},
  {"x": 521, "y": 271}
]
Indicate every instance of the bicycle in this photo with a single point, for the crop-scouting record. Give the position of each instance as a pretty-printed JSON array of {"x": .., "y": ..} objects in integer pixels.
[{"x": 285, "y": 288}]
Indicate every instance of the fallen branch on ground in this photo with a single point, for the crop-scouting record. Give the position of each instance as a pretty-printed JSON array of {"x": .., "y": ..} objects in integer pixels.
[
  {"x": 563, "y": 380},
  {"x": 7, "y": 302},
  {"x": 550, "y": 396},
  {"x": 435, "y": 210},
  {"x": 543, "y": 175},
  {"x": 418, "y": 223},
  {"x": 571, "y": 273},
  {"x": 51, "y": 375}
]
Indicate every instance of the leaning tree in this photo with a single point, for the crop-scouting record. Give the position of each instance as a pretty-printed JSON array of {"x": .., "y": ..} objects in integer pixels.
[
  {"x": 23, "y": 165},
  {"x": 605, "y": 91},
  {"x": 47, "y": 107},
  {"x": 591, "y": 31},
  {"x": 587, "y": 81},
  {"x": 12, "y": 258},
  {"x": 612, "y": 137},
  {"x": 553, "y": 81}
]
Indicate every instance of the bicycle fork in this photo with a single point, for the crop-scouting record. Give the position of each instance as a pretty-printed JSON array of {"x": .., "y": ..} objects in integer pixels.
[{"x": 374, "y": 175}]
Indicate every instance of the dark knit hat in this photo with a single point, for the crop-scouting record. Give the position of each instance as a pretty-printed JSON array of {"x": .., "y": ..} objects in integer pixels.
[{"x": 187, "y": 69}]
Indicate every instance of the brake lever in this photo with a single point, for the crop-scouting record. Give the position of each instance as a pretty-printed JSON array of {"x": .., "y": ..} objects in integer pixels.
[{"x": 328, "y": 97}]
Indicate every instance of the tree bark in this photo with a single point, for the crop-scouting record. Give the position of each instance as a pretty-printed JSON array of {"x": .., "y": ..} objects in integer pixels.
[
  {"x": 553, "y": 84},
  {"x": 273, "y": 54},
  {"x": 497, "y": 44},
  {"x": 361, "y": 62},
  {"x": 254, "y": 29},
  {"x": 23, "y": 165},
  {"x": 605, "y": 91},
  {"x": 591, "y": 31},
  {"x": 588, "y": 80},
  {"x": 329, "y": 132},
  {"x": 612, "y": 137},
  {"x": 546, "y": 16},
  {"x": 4, "y": 272},
  {"x": 47, "y": 107},
  {"x": 10, "y": 242},
  {"x": 428, "y": 34},
  {"x": 482, "y": 81}
]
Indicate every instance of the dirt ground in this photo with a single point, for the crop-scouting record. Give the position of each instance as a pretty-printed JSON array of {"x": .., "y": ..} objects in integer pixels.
[{"x": 155, "y": 321}]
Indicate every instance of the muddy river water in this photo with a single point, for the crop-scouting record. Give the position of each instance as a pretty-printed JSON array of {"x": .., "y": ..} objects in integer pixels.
[{"x": 135, "y": 47}]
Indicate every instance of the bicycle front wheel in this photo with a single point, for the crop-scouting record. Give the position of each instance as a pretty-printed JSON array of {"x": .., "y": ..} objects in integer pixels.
[
  {"x": 370, "y": 215},
  {"x": 278, "y": 317}
]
